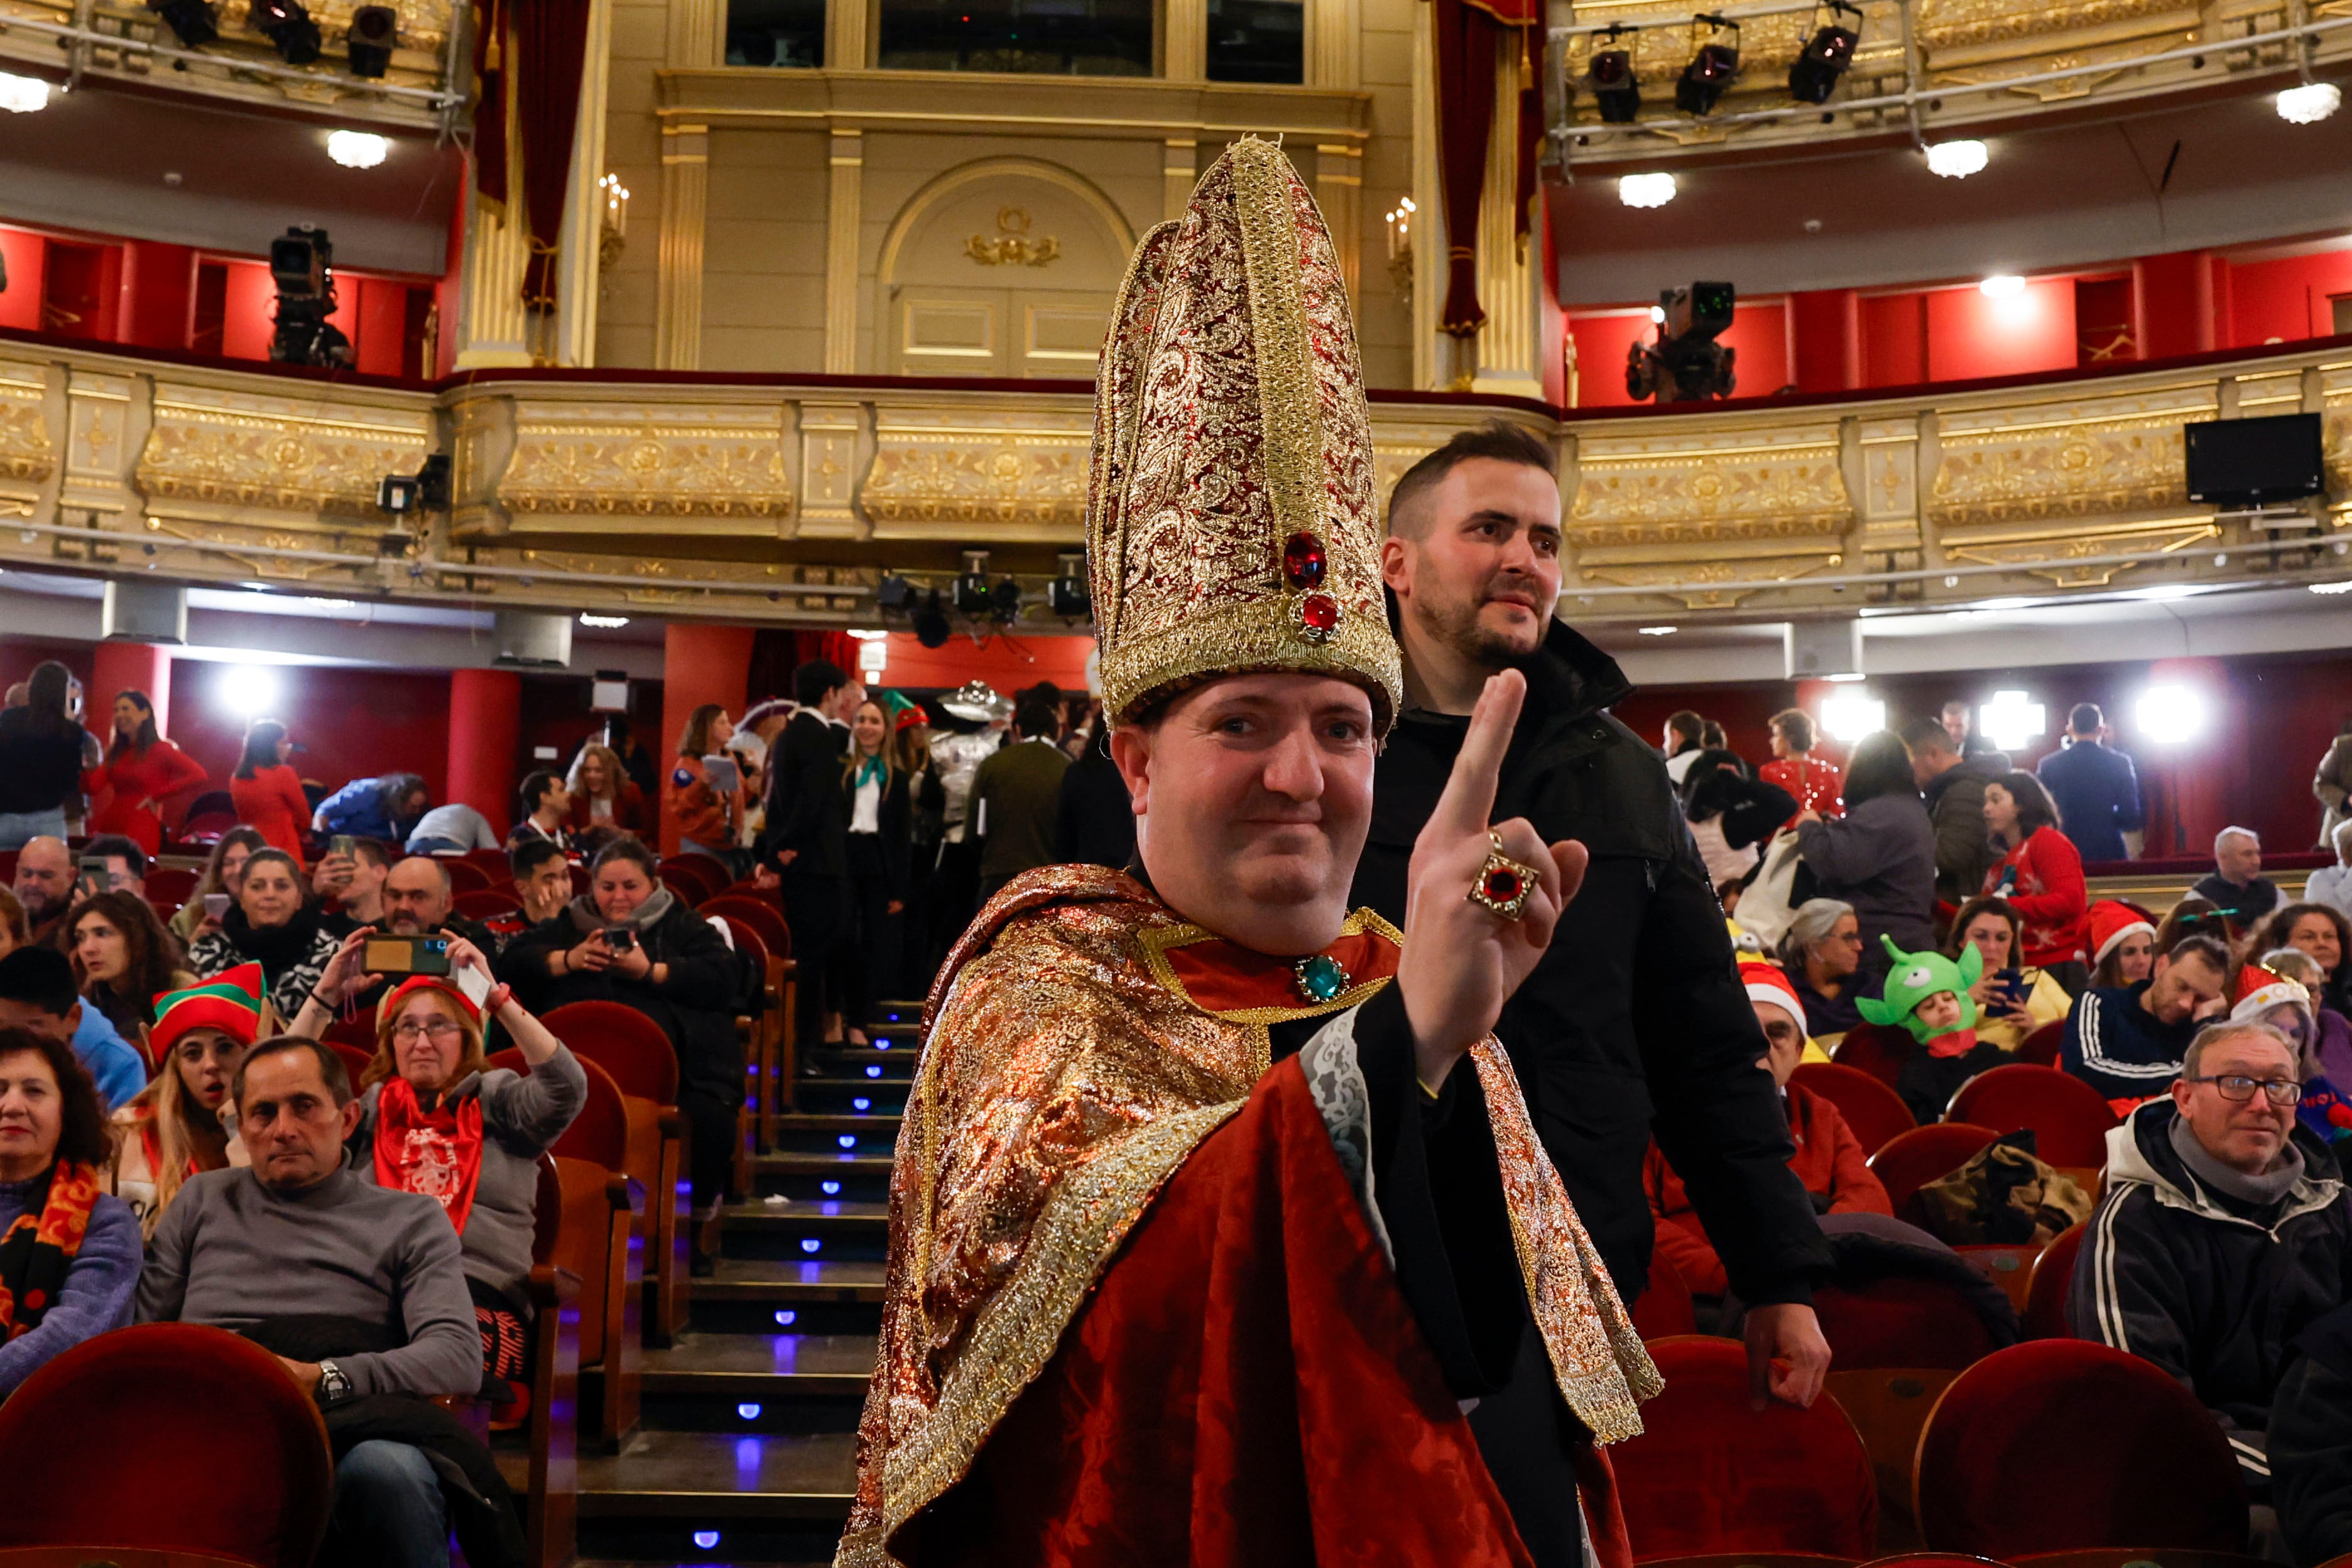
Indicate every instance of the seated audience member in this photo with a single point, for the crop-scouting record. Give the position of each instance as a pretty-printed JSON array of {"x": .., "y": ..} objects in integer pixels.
[
  {"x": 14, "y": 931},
  {"x": 1829, "y": 1160},
  {"x": 1879, "y": 856},
  {"x": 2096, "y": 790},
  {"x": 709, "y": 819},
  {"x": 176, "y": 1127},
  {"x": 630, "y": 940},
  {"x": 388, "y": 807},
  {"x": 69, "y": 1250},
  {"x": 37, "y": 993},
  {"x": 1820, "y": 954},
  {"x": 2321, "y": 931},
  {"x": 1730, "y": 814},
  {"x": 41, "y": 760},
  {"x": 2122, "y": 944},
  {"x": 2332, "y": 885},
  {"x": 2223, "y": 1233},
  {"x": 542, "y": 879},
  {"x": 224, "y": 870},
  {"x": 1816, "y": 785},
  {"x": 602, "y": 793},
  {"x": 273, "y": 923},
  {"x": 2309, "y": 1442},
  {"x": 123, "y": 959},
  {"x": 2237, "y": 887},
  {"x": 45, "y": 884},
  {"x": 2192, "y": 916},
  {"x": 1953, "y": 784},
  {"x": 2013, "y": 998},
  {"x": 2040, "y": 873},
  {"x": 452, "y": 829},
  {"x": 2127, "y": 1044},
  {"x": 1929, "y": 994},
  {"x": 142, "y": 772},
  {"x": 266, "y": 791},
  {"x": 126, "y": 865},
  {"x": 436, "y": 1118},
  {"x": 356, "y": 884},
  {"x": 419, "y": 899},
  {"x": 546, "y": 807},
  {"x": 2329, "y": 1053},
  {"x": 357, "y": 1289}
]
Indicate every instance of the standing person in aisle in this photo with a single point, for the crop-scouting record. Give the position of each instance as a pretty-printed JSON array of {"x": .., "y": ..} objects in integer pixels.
[
  {"x": 881, "y": 838},
  {"x": 1817, "y": 784},
  {"x": 40, "y": 759},
  {"x": 142, "y": 772},
  {"x": 957, "y": 754},
  {"x": 806, "y": 838},
  {"x": 2095, "y": 788},
  {"x": 2040, "y": 874},
  {"x": 1634, "y": 1022},
  {"x": 1015, "y": 795},
  {"x": 267, "y": 791}
]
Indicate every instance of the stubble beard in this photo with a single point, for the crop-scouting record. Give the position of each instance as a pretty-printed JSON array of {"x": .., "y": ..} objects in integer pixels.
[{"x": 1456, "y": 624}]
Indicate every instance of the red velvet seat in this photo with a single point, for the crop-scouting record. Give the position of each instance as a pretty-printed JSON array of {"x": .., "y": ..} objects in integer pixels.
[
  {"x": 486, "y": 903},
  {"x": 1663, "y": 1309},
  {"x": 2069, "y": 1118},
  {"x": 2063, "y": 1446},
  {"x": 2044, "y": 1317},
  {"x": 1875, "y": 1112},
  {"x": 766, "y": 1026},
  {"x": 1710, "y": 1475},
  {"x": 624, "y": 1042},
  {"x": 465, "y": 876},
  {"x": 1901, "y": 1321},
  {"x": 1877, "y": 1049},
  {"x": 169, "y": 886},
  {"x": 206, "y": 1447},
  {"x": 694, "y": 877},
  {"x": 2041, "y": 1047},
  {"x": 356, "y": 1058},
  {"x": 1911, "y": 1160}
]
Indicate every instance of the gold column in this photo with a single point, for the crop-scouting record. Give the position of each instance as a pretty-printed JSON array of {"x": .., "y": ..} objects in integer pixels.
[
  {"x": 1340, "y": 190},
  {"x": 1184, "y": 44},
  {"x": 490, "y": 317},
  {"x": 1507, "y": 344},
  {"x": 848, "y": 43},
  {"x": 685, "y": 206},
  {"x": 841, "y": 246},
  {"x": 1180, "y": 168},
  {"x": 581, "y": 236}
]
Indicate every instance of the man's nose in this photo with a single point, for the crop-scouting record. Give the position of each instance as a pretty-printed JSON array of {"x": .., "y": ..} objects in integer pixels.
[{"x": 1293, "y": 769}]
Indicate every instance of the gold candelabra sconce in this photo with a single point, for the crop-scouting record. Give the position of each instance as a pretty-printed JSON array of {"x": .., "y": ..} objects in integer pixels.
[
  {"x": 613, "y": 234},
  {"x": 1400, "y": 220},
  {"x": 1011, "y": 244}
]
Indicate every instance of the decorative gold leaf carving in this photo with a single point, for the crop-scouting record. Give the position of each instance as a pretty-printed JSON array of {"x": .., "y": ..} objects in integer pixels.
[
  {"x": 1010, "y": 245},
  {"x": 1026, "y": 485},
  {"x": 670, "y": 461},
  {"x": 2079, "y": 467},
  {"x": 281, "y": 454}
]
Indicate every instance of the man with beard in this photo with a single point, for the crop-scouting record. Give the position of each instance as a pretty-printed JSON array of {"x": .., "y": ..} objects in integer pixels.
[{"x": 1634, "y": 1024}]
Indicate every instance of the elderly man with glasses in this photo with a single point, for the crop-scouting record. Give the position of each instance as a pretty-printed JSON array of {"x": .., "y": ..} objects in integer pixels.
[{"x": 2223, "y": 1233}]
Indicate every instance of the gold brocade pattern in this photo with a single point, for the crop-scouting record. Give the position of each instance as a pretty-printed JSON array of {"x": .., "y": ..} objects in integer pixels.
[
  {"x": 1229, "y": 415},
  {"x": 1062, "y": 1083}
]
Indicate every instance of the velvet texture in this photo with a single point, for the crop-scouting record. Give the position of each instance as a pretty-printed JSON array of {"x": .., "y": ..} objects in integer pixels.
[
  {"x": 2060, "y": 1445},
  {"x": 1466, "y": 37},
  {"x": 1246, "y": 1388},
  {"x": 1874, "y": 1113},
  {"x": 2069, "y": 1118},
  {"x": 1911, "y": 1160},
  {"x": 1900, "y": 1321},
  {"x": 551, "y": 38},
  {"x": 1710, "y": 1475}
]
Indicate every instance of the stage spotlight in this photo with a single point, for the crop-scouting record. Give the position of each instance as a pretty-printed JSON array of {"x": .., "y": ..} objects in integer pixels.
[
  {"x": 1068, "y": 595},
  {"x": 373, "y": 34},
  {"x": 287, "y": 26},
  {"x": 1813, "y": 76},
  {"x": 1709, "y": 75},
  {"x": 932, "y": 629},
  {"x": 1004, "y": 601},
  {"x": 894, "y": 593},
  {"x": 1615, "y": 88},
  {"x": 194, "y": 22}
]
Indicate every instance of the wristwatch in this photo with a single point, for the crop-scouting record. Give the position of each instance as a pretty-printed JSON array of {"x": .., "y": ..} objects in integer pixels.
[{"x": 334, "y": 1385}]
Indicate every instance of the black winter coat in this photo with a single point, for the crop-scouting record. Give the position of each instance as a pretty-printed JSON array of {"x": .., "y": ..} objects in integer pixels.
[
  {"x": 1636, "y": 1021},
  {"x": 2311, "y": 1443}
]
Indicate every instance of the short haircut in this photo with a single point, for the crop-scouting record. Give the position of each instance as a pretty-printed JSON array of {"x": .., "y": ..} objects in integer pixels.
[
  {"x": 1880, "y": 765},
  {"x": 440, "y": 871},
  {"x": 2341, "y": 836},
  {"x": 1686, "y": 724},
  {"x": 82, "y": 1138},
  {"x": 39, "y": 977},
  {"x": 2036, "y": 809},
  {"x": 629, "y": 847},
  {"x": 375, "y": 851},
  {"x": 2084, "y": 719},
  {"x": 531, "y": 853},
  {"x": 535, "y": 788},
  {"x": 2205, "y": 950},
  {"x": 2229, "y": 833},
  {"x": 115, "y": 846},
  {"x": 817, "y": 679},
  {"x": 1496, "y": 440},
  {"x": 2222, "y": 1029},
  {"x": 1796, "y": 727},
  {"x": 1929, "y": 735},
  {"x": 1960, "y": 703},
  {"x": 1037, "y": 721},
  {"x": 1712, "y": 736},
  {"x": 331, "y": 1071}
]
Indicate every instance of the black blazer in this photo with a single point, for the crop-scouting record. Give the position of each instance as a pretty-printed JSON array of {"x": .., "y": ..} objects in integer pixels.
[
  {"x": 807, "y": 811},
  {"x": 895, "y": 833}
]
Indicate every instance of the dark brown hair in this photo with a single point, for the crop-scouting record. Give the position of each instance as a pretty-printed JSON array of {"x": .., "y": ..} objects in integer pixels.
[
  {"x": 2036, "y": 809},
  {"x": 1984, "y": 904},
  {"x": 331, "y": 1071},
  {"x": 151, "y": 954},
  {"x": 1497, "y": 441},
  {"x": 83, "y": 1138},
  {"x": 1796, "y": 727},
  {"x": 2272, "y": 932}
]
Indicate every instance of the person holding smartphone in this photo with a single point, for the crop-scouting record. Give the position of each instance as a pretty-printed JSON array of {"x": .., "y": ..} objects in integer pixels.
[
  {"x": 2013, "y": 998},
  {"x": 703, "y": 799}
]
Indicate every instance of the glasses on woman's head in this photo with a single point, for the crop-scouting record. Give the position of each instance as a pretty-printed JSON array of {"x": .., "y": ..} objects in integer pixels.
[
  {"x": 442, "y": 1030},
  {"x": 2238, "y": 1088}
]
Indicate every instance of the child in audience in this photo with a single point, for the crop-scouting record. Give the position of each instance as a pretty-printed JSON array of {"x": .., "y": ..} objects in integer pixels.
[
  {"x": 1928, "y": 993},
  {"x": 176, "y": 1127}
]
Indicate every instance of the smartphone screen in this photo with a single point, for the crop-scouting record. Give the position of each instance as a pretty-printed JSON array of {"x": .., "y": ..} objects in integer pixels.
[
  {"x": 94, "y": 874},
  {"x": 216, "y": 906},
  {"x": 342, "y": 844}
]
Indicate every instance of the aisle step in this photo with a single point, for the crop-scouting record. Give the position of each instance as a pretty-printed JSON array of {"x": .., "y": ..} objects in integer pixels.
[
  {"x": 715, "y": 1496},
  {"x": 829, "y": 1095},
  {"x": 760, "y": 1296},
  {"x": 870, "y": 1062},
  {"x": 832, "y": 1229},
  {"x": 757, "y": 1385},
  {"x": 828, "y": 1171}
]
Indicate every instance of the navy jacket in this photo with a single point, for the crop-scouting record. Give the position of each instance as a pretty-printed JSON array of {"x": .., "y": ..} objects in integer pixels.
[
  {"x": 2097, "y": 793},
  {"x": 2119, "y": 1047}
]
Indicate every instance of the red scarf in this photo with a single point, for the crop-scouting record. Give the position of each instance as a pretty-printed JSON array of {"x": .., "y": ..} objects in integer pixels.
[
  {"x": 437, "y": 1152},
  {"x": 40, "y": 1249}
]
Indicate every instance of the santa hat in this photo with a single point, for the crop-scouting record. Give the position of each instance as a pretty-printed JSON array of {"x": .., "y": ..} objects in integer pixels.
[
  {"x": 2112, "y": 920},
  {"x": 1765, "y": 982},
  {"x": 229, "y": 1002},
  {"x": 2259, "y": 991}
]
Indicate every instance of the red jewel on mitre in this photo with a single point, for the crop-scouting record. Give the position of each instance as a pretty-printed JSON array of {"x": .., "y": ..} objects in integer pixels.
[
  {"x": 1318, "y": 616},
  {"x": 1303, "y": 560}
]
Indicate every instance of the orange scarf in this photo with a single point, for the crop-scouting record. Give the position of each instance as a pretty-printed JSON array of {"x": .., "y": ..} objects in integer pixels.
[{"x": 40, "y": 1248}]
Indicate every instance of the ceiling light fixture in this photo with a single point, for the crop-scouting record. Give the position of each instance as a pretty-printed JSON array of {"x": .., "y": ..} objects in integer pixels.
[
  {"x": 1957, "y": 160},
  {"x": 1712, "y": 67},
  {"x": 2001, "y": 285},
  {"x": 357, "y": 149},
  {"x": 604, "y": 623},
  {"x": 1646, "y": 190},
  {"x": 22, "y": 94},
  {"x": 2310, "y": 103},
  {"x": 1658, "y": 631}
]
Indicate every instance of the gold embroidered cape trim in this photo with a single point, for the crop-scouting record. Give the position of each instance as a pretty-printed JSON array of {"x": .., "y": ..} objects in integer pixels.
[{"x": 1159, "y": 940}]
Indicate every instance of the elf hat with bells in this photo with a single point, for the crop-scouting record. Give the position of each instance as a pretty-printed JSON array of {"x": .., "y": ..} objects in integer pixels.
[{"x": 1917, "y": 976}]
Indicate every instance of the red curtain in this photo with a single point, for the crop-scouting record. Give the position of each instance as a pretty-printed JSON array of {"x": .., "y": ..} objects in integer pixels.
[
  {"x": 550, "y": 44},
  {"x": 492, "y": 51},
  {"x": 1468, "y": 38}
]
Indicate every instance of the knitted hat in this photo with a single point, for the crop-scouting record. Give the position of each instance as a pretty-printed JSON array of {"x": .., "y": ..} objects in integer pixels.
[
  {"x": 1917, "y": 976},
  {"x": 229, "y": 1002},
  {"x": 2112, "y": 920},
  {"x": 1765, "y": 982}
]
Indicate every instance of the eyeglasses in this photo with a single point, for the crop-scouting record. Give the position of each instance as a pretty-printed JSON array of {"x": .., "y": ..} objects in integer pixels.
[
  {"x": 2238, "y": 1088},
  {"x": 443, "y": 1029}
]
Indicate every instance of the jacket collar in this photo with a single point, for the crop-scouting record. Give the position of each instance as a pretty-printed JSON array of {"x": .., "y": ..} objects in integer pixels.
[
  {"x": 2141, "y": 1151},
  {"x": 1568, "y": 678}
]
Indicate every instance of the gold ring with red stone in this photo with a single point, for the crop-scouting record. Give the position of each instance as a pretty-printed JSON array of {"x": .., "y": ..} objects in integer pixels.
[{"x": 1502, "y": 883}]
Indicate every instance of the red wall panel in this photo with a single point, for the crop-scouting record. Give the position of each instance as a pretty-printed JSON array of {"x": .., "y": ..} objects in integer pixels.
[
  {"x": 1759, "y": 332},
  {"x": 1894, "y": 339},
  {"x": 349, "y": 723},
  {"x": 1971, "y": 334},
  {"x": 2286, "y": 298}
]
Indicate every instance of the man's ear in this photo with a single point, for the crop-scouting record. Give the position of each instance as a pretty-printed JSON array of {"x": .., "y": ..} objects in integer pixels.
[
  {"x": 1130, "y": 752},
  {"x": 350, "y": 1116},
  {"x": 1397, "y": 563}
]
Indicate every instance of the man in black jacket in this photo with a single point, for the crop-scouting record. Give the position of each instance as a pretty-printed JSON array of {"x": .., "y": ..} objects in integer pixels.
[
  {"x": 1635, "y": 1022},
  {"x": 2223, "y": 1233},
  {"x": 807, "y": 834}
]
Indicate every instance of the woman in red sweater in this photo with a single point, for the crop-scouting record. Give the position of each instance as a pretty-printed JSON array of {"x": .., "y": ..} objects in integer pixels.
[
  {"x": 2041, "y": 874},
  {"x": 266, "y": 791},
  {"x": 142, "y": 772}
]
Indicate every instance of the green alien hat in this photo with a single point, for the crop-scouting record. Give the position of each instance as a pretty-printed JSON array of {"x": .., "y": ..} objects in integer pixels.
[{"x": 1917, "y": 976}]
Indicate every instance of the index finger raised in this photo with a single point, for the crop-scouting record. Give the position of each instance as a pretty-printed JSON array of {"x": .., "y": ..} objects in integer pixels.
[{"x": 1469, "y": 804}]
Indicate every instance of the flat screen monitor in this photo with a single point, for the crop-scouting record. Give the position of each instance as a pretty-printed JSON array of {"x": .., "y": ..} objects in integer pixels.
[{"x": 2256, "y": 462}]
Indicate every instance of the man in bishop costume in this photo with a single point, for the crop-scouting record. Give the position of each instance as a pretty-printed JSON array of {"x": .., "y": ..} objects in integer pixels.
[{"x": 1219, "y": 1234}]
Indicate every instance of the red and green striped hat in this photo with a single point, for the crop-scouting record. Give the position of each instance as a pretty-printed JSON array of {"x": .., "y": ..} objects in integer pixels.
[{"x": 229, "y": 1002}]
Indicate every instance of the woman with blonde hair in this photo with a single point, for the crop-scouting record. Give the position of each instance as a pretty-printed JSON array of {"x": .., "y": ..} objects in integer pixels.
[
  {"x": 180, "y": 1124},
  {"x": 602, "y": 794},
  {"x": 881, "y": 842}
]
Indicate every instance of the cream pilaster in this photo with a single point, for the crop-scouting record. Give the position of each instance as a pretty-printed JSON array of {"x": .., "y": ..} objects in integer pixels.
[
  {"x": 491, "y": 325},
  {"x": 1184, "y": 45},
  {"x": 685, "y": 207},
  {"x": 841, "y": 246},
  {"x": 1507, "y": 287},
  {"x": 1340, "y": 191},
  {"x": 580, "y": 238},
  {"x": 849, "y": 34},
  {"x": 1333, "y": 28},
  {"x": 1180, "y": 168}
]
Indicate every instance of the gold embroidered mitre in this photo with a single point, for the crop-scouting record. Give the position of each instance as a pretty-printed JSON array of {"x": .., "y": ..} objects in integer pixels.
[{"x": 1231, "y": 522}]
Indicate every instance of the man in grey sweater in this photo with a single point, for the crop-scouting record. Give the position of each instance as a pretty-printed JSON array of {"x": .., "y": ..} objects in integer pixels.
[{"x": 300, "y": 1234}]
